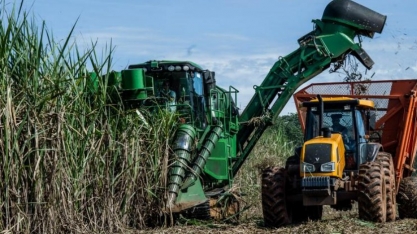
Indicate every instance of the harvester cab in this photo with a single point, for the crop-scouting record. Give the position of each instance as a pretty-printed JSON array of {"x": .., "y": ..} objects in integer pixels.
[{"x": 180, "y": 87}]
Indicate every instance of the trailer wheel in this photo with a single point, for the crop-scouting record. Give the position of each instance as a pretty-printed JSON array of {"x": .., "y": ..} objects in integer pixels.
[
  {"x": 389, "y": 173},
  {"x": 407, "y": 198},
  {"x": 372, "y": 192},
  {"x": 274, "y": 205}
]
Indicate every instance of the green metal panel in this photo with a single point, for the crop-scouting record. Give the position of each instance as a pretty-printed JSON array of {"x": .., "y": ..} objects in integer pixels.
[
  {"x": 192, "y": 196},
  {"x": 217, "y": 165},
  {"x": 133, "y": 79},
  {"x": 233, "y": 143},
  {"x": 133, "y": 84}
]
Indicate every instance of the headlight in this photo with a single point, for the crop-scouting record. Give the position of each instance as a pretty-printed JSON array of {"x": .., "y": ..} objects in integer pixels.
[
  {"x": 307, "y": 167},
  {"x": 327, "y": 167}
]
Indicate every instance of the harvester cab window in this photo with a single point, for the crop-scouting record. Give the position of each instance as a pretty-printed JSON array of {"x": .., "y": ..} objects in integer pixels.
[
  {"x": 168, "y": 92},
  {"x": 190, "y": 97},
  {"x": 198, "y": 97},
  {"x": 197, "y": 82}
]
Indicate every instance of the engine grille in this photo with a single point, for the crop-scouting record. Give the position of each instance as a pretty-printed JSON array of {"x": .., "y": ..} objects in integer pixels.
[
  {"x": 318, "y": 181},
  {"x": 318, "y": 153}
]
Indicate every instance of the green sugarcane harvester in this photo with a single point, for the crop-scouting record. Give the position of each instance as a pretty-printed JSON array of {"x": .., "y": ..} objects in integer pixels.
[{"x": 208, "y": 114}]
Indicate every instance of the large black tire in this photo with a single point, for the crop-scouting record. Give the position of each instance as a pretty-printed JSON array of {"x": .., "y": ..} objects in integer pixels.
[
  {"x": 372, "y": 192},
  {"x": 389, "y": 173},
  {"x": 407, "y": 198},
  {"x": 274, "y": 205}
]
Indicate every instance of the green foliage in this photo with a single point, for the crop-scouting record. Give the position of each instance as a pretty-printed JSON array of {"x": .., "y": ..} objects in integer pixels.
[
  {"x": 273, "y": 148},
  {"x": 291, "y": 128},
  {"x": 70, "y": 161}
]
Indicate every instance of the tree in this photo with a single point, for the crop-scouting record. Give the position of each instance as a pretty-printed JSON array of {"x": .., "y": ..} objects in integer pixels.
[{"x": 290, "y": 126}]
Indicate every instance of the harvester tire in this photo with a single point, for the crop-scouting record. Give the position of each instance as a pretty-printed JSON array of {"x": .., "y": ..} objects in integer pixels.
[
  {"x": 389, "y": 173},
  {"x": 274, "y": 204},
  {"x": 407, "y": 198},
  {"x": 372, "y": 192}
]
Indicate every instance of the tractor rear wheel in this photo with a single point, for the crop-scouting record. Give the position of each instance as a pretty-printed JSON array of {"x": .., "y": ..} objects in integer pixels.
[
  {"x": 372, "y": 192},
  {"x": 407, "y": 198},
  {"x": 274, "y": 204},
  {"x": 389, "y": 173}
]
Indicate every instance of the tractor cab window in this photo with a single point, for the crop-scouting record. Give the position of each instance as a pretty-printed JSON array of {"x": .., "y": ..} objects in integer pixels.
[
  {"x": 337, "y": 121},
  {"x": 360, "y": 126},
  {"x": 362, "y": 144}
]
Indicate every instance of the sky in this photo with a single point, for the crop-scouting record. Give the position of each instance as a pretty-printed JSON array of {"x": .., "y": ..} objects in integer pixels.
[{"x": 239, "y": 40}]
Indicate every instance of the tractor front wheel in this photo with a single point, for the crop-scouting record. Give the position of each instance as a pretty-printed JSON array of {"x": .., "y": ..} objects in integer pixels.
[{"x": 372, "y": 192}]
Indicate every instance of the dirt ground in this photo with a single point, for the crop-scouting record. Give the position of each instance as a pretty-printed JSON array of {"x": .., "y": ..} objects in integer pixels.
[{"x": 332, "y": 222}]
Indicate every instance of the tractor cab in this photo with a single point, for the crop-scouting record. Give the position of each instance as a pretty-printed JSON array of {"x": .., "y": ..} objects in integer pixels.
[{"x": 339, "y": 122}]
